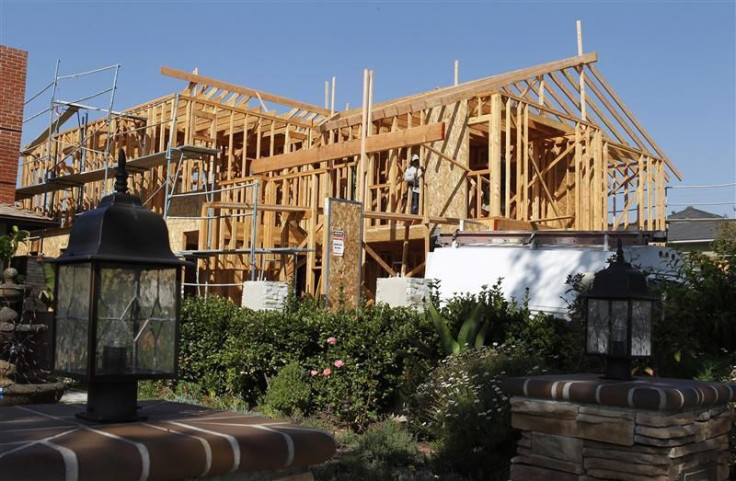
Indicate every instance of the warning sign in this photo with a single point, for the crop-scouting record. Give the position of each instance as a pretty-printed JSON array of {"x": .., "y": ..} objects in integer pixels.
[{"x": 338, "y": 243}]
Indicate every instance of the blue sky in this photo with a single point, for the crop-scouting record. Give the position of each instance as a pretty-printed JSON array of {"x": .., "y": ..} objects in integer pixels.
[{"x": 673, "y": 63}]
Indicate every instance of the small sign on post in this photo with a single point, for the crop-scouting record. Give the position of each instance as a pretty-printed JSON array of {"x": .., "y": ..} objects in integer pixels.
[{"x": 338, "y": 243}]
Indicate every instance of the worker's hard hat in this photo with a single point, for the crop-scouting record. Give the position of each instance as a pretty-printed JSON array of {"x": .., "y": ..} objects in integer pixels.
[{"x": 415, "y": 158}]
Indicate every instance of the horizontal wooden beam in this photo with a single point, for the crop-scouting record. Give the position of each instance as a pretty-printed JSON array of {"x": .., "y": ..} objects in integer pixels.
[
  {"x": 198, "y": 79},
  {"x": 376, "y": 143}
]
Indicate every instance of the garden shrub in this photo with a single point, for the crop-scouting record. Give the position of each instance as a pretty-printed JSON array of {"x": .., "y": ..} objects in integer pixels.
[
  {"x": 461, "y": 407},
  {"x": 698, "y": 316},
  {"x": 378, "y": 352},
  {"x": 493, "y": 308},
  {"x": 288, "y": 393},
  {"x": 361, "y": 372},
  {"x": 205, "y": 326},
  {"x": 385, "y": 451}
]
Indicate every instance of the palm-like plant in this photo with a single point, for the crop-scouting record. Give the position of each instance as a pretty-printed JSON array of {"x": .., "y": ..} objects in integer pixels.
[{"x": 472, "y": 333}]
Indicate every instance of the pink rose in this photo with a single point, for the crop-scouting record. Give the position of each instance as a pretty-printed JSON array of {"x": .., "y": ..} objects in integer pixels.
[
  {"x": 338, "y": 364},
  {"x": 313, "y": 372},
  {"x": 327, "y": 372},
  {"x": 332, "y": 340}
]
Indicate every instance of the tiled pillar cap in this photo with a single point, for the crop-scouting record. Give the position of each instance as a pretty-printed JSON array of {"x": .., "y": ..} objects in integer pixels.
[{"x": 644, "y": 393}]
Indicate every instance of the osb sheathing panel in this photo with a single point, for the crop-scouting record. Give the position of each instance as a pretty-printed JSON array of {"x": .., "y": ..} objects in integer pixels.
[
  {"x": 446, "y": 190},
  {"x": 190, "y": 206},
  {"x": 53, "y": 244},
  {"x": 344, "y": 271},
  {"x": 177, "y": 228}
]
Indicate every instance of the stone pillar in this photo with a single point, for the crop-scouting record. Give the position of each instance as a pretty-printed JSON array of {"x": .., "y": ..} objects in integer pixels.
[
  {"x": 584, "y": 428},
  {"x": 402, "y": 291},
  {"x": 265, "y": 295}
]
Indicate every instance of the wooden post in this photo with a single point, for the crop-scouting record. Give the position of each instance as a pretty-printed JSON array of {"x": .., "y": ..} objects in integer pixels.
[
  {"x": 649, "y": 193},
  {"x": 578, "y": 176},
  {"x": 332, "y": 104},
  {"x": 507, "y": 196},
  {"x": 518, "y": 156},
  {"x": 494, "y": 154},
  {"x": 640, "y": 178},
  {"x": 541, "y": 89},
  {"x": 363, "y": 135},
  {"x": 581, "y": 70},
  {"x": 525, "y": 174}
]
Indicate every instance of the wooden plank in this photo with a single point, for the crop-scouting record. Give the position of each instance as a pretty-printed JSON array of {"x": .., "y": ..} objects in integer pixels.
[
  {"x": 376, "y": 143},
  {"x": 581, "y": 71},
  {"x": 379, "y": 260},
  {"x": 507, "y": 156},
  {"x": 190, "y": 77},
  {"x": 66, "y": 115},
  {"x": 494, "y": 154},
  {"x": 449, "y": 95},
  {"x": 446, "y": 157}
]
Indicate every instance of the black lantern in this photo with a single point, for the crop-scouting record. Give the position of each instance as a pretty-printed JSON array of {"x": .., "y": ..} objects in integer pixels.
[
  {"x": 117, "y": 303},
  {"x": 619, "y": 317}
]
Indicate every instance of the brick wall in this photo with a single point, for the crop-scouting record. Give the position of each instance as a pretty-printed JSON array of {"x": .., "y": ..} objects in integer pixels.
[{"x": 13, "y": 63}]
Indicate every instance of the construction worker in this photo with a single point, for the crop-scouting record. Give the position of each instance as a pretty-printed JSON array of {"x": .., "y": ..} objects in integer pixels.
[{"x": 413, "y": 176}]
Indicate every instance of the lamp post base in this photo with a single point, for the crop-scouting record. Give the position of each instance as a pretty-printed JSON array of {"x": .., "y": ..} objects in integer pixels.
[
  {"x": 618, "y": 369},
  {"x": 112, "y": 402}
]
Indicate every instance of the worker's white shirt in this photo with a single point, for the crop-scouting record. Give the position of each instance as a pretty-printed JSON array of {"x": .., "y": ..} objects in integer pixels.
[{"x": 412, "y": 176}]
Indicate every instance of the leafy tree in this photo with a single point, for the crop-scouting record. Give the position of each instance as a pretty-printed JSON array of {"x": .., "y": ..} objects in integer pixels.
[{"x": 10, "y": 242}]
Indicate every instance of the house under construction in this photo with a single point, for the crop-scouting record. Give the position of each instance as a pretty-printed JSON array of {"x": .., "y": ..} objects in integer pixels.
[{"x": 243, "y": 175}]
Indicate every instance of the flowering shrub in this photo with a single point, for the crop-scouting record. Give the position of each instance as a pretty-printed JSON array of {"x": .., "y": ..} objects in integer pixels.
[
  {"x": 461, "y": 407},
  {"x": 356, "y": 362}
]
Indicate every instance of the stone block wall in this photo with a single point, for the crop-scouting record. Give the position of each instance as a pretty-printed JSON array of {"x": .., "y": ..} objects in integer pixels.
[
  {"x": 265, "y": 295},
  {"x": 402, "y": 291},
  {"x": 563, "y": 441}
]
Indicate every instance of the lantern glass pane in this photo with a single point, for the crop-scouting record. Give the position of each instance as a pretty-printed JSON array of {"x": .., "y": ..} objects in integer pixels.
[
  {"x": 136, "y": 331},
  {"x": 641, "y": 328},
  {"x": 72, "y": 318},
  {"x": 598, "y": 326},
  {"x": 619, "y": 328}
]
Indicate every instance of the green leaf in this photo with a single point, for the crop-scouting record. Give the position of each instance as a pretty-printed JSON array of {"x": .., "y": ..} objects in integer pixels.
[
  {"x": 469, "y": 329},
  {"x": 678, "y": 356},
  {"x": 442, "y": 330},
  {"x": 480, "y": 338}
]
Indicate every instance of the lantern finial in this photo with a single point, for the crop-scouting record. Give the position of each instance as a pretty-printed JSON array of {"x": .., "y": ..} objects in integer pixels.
[
  {"x": 121, "y": 178},
  {"x": 620, "y": 253}
]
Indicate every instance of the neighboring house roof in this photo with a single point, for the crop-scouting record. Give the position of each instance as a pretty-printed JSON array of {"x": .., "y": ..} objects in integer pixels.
[
  {"x": 694, "y": 225},
  {"x": 23, "y": 218}
]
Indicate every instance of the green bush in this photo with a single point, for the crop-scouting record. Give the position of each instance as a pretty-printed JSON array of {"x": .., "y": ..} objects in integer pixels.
[
  {"x": 698, "y": 316},
  {"x": 383, "y": 452},
  {"x": 288, "y": 393},
  {"x": 378, "y": 353},
  {"x": 492, "y": 308},
  {"x": 205, "y": 326},
  {"x": 462, "y": 409}
]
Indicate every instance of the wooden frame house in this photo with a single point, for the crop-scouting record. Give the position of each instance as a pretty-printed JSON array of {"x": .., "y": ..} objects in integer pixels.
[{"x": 242, "y": 175}]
